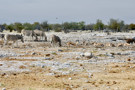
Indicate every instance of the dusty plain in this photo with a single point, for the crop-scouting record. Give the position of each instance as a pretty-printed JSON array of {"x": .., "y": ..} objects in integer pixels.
[{"x": 39, "y": 66}]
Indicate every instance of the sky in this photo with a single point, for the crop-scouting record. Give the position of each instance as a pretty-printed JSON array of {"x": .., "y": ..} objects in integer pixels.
[{"x": 59, "y": 11}]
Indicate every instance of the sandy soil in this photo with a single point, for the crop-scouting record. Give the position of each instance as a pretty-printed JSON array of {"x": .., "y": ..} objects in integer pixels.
[{"x": 39, "y": 66}]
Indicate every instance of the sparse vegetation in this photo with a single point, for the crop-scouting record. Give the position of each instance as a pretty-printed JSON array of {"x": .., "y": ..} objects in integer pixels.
[{"x": 114, "y": 25}]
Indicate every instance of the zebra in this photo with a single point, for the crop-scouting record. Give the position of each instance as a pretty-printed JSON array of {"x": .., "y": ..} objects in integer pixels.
[
  {"x": 41, "y": 34},
  {"x": 55, "y": 40},
  {"x": 14, "y": 38},
  {"x": 2, "y": 36},
  {"x": 29, "y": 33}
]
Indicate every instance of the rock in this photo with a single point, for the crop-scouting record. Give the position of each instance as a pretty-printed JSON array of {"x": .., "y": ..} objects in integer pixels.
[
  {"x": 66, "y": 73},
  {"x": 118, "y": 53},
  {"x": 70, "y": 78},
  {"x": 47, "y": 55},
  {"x": 88, "y": 55},
  {"x": 90, "y": 75},
  {"x": 77, "y": 58},
  {"x": 72, "y": 86},
  {"x": 121, "y": 38},
  {"x": 50, "y": 74},
  {"x": 44, "y": 80},
  {"x": 122, "y": 71},
  {"x": 59, "y": 50},
  {"x": 3, "y": 74},
  {"x": 43, "y": 66},
  {"x": 1, "y": 64},
  {"x": 134, "y": 38},
  {"x": 47, "y": 58},
  {"x": 114, "y": 82},
  {"x": 82, "y": 54},
  {"x": 128, "y": 59},
  {"x": 33, "y": 53},
  {"x": 110, "y": 55},
  {"x": 117, "y": 88},
  {"x": 87, "y": 81},
  {"x": 3, "y": 88},
  {"x": 125, "y": 54}
]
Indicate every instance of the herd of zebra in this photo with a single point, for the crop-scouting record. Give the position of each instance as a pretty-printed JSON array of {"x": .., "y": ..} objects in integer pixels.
[
  {"x": 30, "y": 33},
  {"x": 55, "y": 40}
]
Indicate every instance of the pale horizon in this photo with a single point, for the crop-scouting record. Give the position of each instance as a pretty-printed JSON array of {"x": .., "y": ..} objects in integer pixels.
[{"x": 58, "y": 11}]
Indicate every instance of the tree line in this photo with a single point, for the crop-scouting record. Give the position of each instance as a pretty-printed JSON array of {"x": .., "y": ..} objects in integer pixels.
[{"x": 113, "y": 25}]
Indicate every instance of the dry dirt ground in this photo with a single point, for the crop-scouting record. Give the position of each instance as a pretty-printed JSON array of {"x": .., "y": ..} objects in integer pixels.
[{"x": 38, "y": 66}]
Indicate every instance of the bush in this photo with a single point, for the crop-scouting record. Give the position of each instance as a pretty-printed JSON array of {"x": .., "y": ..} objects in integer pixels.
[{"x": 58, "y": 30}]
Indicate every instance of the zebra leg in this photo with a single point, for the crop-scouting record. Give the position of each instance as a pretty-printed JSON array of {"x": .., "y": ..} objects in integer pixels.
[
  {"x": 40, "y": 37},
  {"x": 5, "y": 42},
  {"x": 53, "y": 44},
  {"x": 13, "y": 45},
  {"x": 17, "y": 43}
]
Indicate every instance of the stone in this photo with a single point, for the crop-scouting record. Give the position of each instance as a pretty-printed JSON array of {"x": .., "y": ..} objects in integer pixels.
[
  {"x": 77, "y": 58},
  {"x": 87, "y": 81},
  {"x": 90, "y": 75},
  {"x": 70, "y": 78},
  {"x": 43, "y": 66},
  {"x": 3, "y": 74},
  {"x": 50, "y": 74},
  {"x": 118, "y": 53},
  {"x": 33, "y": 53},
  {"x": 60, "y": 50},
  {"x": 47, "y": 58},
  {"x": 3, "y": 88},
  {"x": 82, "y": 54},
  {"x": 88, "y": 55},
  {"x": 1, "y": 64},
  {"x": 47, "y": 55}
]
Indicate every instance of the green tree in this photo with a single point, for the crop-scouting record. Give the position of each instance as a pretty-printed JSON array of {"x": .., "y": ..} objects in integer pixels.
[
  {"x": 66, "y": 25},
  {"x": 10, "y": 27},
  {"x": 36, "y": 25},
  {"x": 116, "y": 25},
  {"x": 89, "y": 27},
  {"x": 113, "y": 24},
  {"x": 44, "y": 25},
  {"x": 121, "y": 25},
  {"x": 57, "y": 27},
  {"x": 81, "y": 25},
  {"x": 132, "y": 26},
  {"x": 74, "y": 25},
  {"x": 50, "y": 26},
  {"x": 28, "y": 26},
  {"x": 125, "y": 28},
  {"x": 99, "y": 25},
  {"x": 18, "y": 26},
  {"x": 4, "y": 26}
]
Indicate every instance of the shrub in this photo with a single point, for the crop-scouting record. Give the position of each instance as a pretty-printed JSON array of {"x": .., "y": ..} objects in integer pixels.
[{"x": 57, "y": 30}]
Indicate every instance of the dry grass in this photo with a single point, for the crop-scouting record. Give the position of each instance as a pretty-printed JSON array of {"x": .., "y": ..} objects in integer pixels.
[{"x": 22, "y": 67}]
